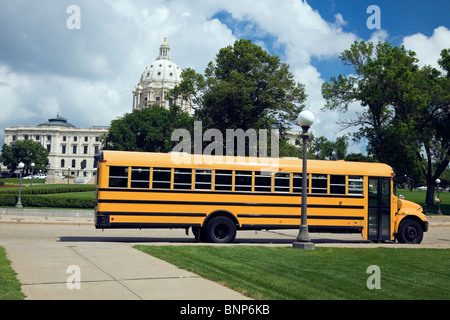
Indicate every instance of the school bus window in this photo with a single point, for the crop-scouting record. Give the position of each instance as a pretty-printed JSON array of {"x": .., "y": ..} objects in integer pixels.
[
  {"x": 161, "y": 178},
  {"x": 140, "y": 177},
  {"x": 182, "y": 179},
  {"x": 203, "y": 179},
  {"x": 118, "y": 177},
  {"x": 355, "y": 185},
  {"x": 223, "y": 180},
  {"x": 319, "y": 183},
  {"x": 297, "y": 183},
  {"x": 282, "y": 182},
  {"x": 263, "y": 181},
  {"x": 243, "y": 181},
  {"x": 337, "y": 184}
]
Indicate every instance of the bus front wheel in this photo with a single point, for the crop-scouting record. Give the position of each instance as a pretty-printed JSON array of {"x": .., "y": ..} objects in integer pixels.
[
  {"x": 220, "y": 230},
  {"x": 410, "y": 231}
]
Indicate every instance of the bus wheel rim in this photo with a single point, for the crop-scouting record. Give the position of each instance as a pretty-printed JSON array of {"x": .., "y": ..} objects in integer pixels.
[
  {"x": 411, "y": 233},
  {"x": 221, "y": 231}
]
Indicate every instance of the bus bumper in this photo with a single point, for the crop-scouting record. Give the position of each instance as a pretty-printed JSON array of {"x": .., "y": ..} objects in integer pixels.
[
  {"x": 101, "y": 221},
  {"x": 425, "y": 225}
]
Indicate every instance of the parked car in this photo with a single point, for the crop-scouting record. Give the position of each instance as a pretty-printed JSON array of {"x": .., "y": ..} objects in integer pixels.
[{"x": 422, "y": 188}]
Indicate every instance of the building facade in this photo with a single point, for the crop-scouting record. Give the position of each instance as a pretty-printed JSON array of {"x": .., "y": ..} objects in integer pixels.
[
  {"x": 71, "y": 149},
  {"x": 157, "y": 79}
]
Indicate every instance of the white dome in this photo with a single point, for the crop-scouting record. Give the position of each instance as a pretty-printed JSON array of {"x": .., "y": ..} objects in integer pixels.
[
  {"x": 158, "y": 78},
  {"x": 161, "y": 70}
]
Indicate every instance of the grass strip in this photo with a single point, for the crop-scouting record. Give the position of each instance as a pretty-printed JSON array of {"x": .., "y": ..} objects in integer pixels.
[
  {"x": 10, "y": 287},
  {"x": 283, "y": 273}
]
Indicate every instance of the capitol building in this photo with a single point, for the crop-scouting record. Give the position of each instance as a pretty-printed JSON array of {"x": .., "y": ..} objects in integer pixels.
[
  {"x": 70, "y": 149},
  {"x": 157, "y": 79}
]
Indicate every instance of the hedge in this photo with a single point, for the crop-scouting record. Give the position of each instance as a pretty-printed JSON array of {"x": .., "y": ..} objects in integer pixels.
[
  {"x": 50, "y": 189},
  {"x": 51, "y": 202}
]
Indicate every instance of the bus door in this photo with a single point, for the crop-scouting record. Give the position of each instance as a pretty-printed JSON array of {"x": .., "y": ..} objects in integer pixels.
[{"x": 379, "y": 215}]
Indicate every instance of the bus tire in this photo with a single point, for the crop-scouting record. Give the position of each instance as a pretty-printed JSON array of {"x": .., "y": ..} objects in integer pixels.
[
  {"x": 410, "y": 231},
  {"x": 220, "y": 230}
]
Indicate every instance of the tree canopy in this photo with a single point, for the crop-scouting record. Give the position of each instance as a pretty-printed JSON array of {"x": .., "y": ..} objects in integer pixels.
[
  {"x": 26, "y": 151},
  {"x": 405, "y": 115},
  {"x": 147, "y": 130},
  {"x": 245, "y": 87}
]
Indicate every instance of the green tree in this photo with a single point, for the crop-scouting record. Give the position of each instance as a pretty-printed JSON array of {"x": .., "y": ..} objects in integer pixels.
[
  {"x": 324, "y": 149},
  {"x": 148, "y": 130},
  {"x": 405, "y": 114},
  {"x": 26, "y": 151},
  {"x": 245, "y": 87}
]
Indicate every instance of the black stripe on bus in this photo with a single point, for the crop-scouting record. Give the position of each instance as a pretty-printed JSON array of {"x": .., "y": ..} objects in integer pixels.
[
  {"x": 311, "y": 228},
  {"x": 284, "y": 194},
  {"x": 297, "y": 217},
  {"x": 152, "y": 214},
  {"x": 248, "y": 204}
]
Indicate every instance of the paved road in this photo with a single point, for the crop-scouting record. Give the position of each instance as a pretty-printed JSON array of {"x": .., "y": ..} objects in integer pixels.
[{"x": 42, "y": 249}]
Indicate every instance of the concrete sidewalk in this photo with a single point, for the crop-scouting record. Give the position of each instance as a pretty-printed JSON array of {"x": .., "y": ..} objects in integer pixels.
[{"x": 109, "y": 271}]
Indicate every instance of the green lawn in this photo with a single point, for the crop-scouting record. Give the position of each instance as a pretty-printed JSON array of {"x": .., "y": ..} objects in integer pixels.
[
  {"x": 326, "y": 273},
  {"x": 419, "y": 197},
  {"x": 10, "y": 287}
]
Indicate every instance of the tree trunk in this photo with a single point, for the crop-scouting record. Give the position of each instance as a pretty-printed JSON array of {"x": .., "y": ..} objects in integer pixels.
[{"x": 429, "y": 199}]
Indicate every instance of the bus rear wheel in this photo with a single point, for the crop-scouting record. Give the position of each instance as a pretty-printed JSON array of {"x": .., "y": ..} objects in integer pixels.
[
  {"x": 220, "y": 230},
  {"x": 410, "y": 231}
]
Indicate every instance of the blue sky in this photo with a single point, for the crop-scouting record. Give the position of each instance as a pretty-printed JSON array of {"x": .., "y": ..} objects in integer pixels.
[
  {"x": 87, "y": 75},
  {"x": 399, "y": 19}
]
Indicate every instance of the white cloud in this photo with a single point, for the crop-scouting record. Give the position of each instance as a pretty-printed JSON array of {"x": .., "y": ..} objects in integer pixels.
[{"x": 428, "y": 49}]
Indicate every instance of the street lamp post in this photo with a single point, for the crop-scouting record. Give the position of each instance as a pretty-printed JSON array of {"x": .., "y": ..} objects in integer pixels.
[
  {"x": 32, "y": 171},
  {"x": 20, "y": 166},
  {"x": 438, "y": 198},
  {"x": 305, "y": 120},
  {"x": 68, "y": 174}
]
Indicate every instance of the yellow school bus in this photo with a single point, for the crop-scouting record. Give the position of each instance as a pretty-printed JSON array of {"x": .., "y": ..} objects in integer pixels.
[{"x": 216, "y": 197}]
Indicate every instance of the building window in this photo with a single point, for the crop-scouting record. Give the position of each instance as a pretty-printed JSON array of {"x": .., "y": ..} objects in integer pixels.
[
  {"x": 48, "y": 148},
  {"x": 73, "y": 163},
  {"x": 75, "y": 138},
  {"x": 26, "y": 137},
  {"x": 14, "y": 138},
  {"x": 74, "y": 149},
  {"x": 38, "y": 137},
  {"x": 97, "y": 139},
  {"x": 63, "y": 149},
  {"x": 64, "y": 138},
  {"x": 85, "y": 149},
  {"x": 63, "y": 163},
  {"x": 85, "y": 139},
  {"x": 96, "y": 149},
  {"x": 49, "y": 138}
]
